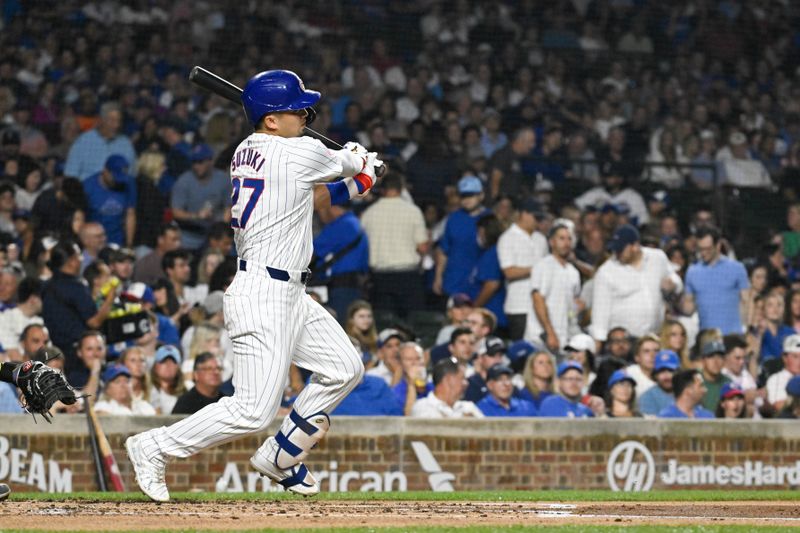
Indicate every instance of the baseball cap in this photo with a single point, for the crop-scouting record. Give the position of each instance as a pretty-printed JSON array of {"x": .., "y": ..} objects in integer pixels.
[
  {"x": 459, "y": 299},
  {"x": 729, "y": 390},
  {"x": 625, "y": 235},
  {"x": 118, "y": 166},
  {"x": 791, "y": 344},
  {"x": 713, "y": 347},
  {"x": 112, "y": 372},
  {"x": 620, "y": 375},
  {"x": 581, "y": 343},
  {"x": 170, "y": 351},
  {"x": 20, "y": 214},
  {"x": 496, "y": 371},
  {"x": 47, "y": 353},
  {"x": 793, "y": 386},
  {"x": 659, "y": 196},
  {"x": 469, "y": 185},
  {"x": 543, "y": 185},
  {"x": 737, "y": 137},
  {"x": 494, "y": 345},
  {"x": 532, "y": 206},
  {"x": 569, "y": 365},
  {"x": 201, "y": 152},
  {"x": 388, "y": 333},
  {"x": 666, "y": 360},
  {"x": 707, "y": 134},
  {"x": 139, "y": 292},
  {"x": 213, "y": 302},
  {"x": 520, "y": 349},
  {"x": 114, "y": 253}
]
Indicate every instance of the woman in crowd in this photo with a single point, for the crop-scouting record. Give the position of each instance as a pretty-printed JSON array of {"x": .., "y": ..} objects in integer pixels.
[
  {"x": 792, "y": 310},
  {"x": 207, "y": 338},
  {"x": 621, "y": 396},
  {"x": 538, "y": 375},
  {"x": 166, "y": 378},
  {"x": 135, "y": 361},
  {"x": 731, "y": 402},
  {"x": 116, "y": 398},
  {"x": 773, "y": 330},
  {"x": 673, "y": 337},
  {"x": 361, "y": 326},
  {"x": 758, "y": 287}
]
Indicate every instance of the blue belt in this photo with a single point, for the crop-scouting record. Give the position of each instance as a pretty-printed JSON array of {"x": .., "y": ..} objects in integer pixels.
[{"x": 277, "y": 273}]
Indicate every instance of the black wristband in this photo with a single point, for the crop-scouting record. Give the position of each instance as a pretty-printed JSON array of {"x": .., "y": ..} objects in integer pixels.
[{"x": 7, "y": 370}]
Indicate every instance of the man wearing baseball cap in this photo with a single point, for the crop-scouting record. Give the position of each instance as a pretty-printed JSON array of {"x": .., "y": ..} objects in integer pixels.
[
  {"x": 713, "y": 359},
  {"x": 629, "y": 288},
  {"x": 459, "y": 306},
  {"x": 776, "y": 384},
  {"x": 500, "y": 400},
  {"x": 111, "y": 197},
  {"x": 660, "y": 397},
  {"x": 389, "y": 368},
  {"x": 492, "y": 354},
  {"x": 458, "y": 250},
  {"x": 567, "y": 403},
  {"x": 613, "y": 190},
  {"x": 519, "y": 248}
]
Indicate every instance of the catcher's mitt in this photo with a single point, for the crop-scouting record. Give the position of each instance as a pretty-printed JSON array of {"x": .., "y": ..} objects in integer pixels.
[{"x": 42, "y": 386}]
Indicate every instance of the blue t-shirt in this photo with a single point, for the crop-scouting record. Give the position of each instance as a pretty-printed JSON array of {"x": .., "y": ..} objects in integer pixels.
[
  {"x": 334, "y": 237},
  {"x": 460, "y": 244},
  {"x": 9, "y": 400},
  {"x": 401, "y": 389},
  {"x": 488, "y": 269},
  {"x": 372, "y": 397},
  {"x": 655, "y": 400},
  {"x": 716, "y": 290},
  {"x": 66, "y": 306},
  {"x": 525, "y": 394},
  {"x": 489, "y": 406},
  {"x": 558, "y": 406},
  {"x": 89, "y": 152},
  {"x": 109, "y": 207},
  {"x": 772, "y": 345},
  {"x": 673, "y": 412}
]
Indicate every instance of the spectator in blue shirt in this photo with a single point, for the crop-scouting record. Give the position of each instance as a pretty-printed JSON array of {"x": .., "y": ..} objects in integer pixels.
[
  {"x": 538, "y": 372},
  {"x": 775, "y": 331},
  {"x": 89, "y": 152},
  {"x": 689, "y": 392},
  {"x": 500, "y": 401},
  {"x": 371, "y": 397},
  {"x": 486, "y": 279},
  {"x": 621, "y": 395},
  {"x": 567, "y": 403},
  {"x": 341, "y": 257},
  {"x": 658, "y": 398},
  {"x": 716, "y": 284},
  {"x": 9, "y": 400},
  {"x": 492, "y": 354},
  {"x": 458, "y": 250},
  {"x": 111, "y": 197}
]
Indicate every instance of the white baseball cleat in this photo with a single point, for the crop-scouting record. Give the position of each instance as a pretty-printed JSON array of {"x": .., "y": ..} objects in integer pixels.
[
  {"x": 149, "y": 474},
  {"x": 296, "y": 479}
]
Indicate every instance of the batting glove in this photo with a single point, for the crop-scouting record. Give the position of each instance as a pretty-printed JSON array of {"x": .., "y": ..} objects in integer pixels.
[
  {"x": 366, "y": 178},
  {"x": 356, "y": 148}
]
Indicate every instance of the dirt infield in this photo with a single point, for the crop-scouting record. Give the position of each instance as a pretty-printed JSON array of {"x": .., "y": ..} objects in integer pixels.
[{"x": 228, "y": 515}]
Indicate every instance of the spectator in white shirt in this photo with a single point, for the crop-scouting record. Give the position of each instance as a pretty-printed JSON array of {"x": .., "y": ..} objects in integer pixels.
[
  {"x": 776, "y": 384},
  {"x": 645, "y": 357},
  {"x": 459, "y": 306},
  {"x": 167, "y": 379},
  {"x": 555, "y": 287},
  {"x": 614, "y": 191},
  {"x": 117, "y": 398},
  {"x": 736, "y": 369},
  {"x": 519, "y": 248},
  {"x": 15, "y": 320},
  {"x": 629, "y": 288},
  {"x": 739, "y": 168},
  {"x": 444, "y": 401}
]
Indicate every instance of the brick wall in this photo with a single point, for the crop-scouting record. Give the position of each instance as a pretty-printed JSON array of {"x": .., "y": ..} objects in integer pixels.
[{"x": 377, "y": 454}]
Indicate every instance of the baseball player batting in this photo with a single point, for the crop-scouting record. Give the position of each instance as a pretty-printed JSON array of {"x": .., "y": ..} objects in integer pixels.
[{"x": 271, "y": 320}]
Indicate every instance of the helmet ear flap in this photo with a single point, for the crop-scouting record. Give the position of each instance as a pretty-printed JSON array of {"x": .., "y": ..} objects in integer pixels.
[{"x": 312, "y": 115}]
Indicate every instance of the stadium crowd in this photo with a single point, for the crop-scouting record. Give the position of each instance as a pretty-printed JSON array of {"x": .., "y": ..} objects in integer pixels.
[{"x": 591, "y": 209}]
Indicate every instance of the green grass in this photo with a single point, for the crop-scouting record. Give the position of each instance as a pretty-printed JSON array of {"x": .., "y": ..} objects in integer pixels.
[
  {"x": 514, "y": 496},
  {"x": 492, "y": 529}
]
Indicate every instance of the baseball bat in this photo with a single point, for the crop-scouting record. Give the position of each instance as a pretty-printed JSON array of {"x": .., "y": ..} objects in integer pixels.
[
  {"x": 98, "y": 462},
  {"x": 105, "y": 450},
  {"x": 222, "y": 87}
]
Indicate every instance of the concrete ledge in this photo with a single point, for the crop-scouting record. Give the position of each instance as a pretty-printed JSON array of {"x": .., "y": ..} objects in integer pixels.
[{"x": 483, "y": 428}]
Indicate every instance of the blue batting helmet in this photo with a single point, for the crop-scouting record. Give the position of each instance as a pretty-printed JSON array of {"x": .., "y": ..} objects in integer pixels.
[{"x": 276, "y": 90}]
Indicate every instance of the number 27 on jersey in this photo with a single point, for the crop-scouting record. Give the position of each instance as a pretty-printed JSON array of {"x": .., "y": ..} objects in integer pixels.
[{"x": 253, "y": 186}]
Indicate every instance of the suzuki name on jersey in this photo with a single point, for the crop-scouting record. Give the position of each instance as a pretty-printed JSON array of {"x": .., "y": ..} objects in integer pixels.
[{"x": 248, "y": 157}]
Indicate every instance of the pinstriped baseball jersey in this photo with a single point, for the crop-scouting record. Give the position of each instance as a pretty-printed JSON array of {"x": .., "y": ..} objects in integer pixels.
[{"x": 272, "y": 199}]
